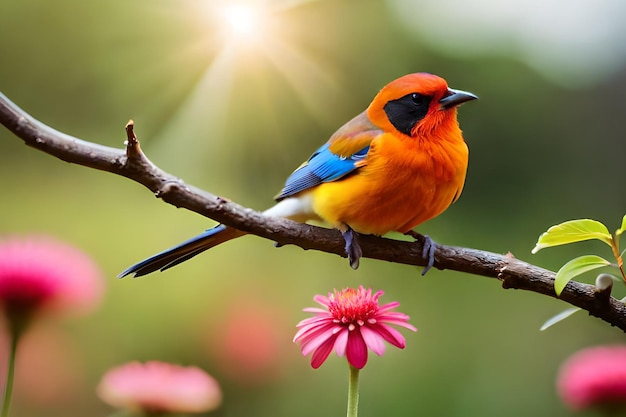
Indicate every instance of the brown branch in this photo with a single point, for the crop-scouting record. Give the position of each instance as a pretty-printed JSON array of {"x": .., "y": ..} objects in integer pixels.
[{"x": 133, "y": 164}]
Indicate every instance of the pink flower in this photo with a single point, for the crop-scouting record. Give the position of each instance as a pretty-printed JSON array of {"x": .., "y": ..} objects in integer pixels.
[
  {"x": 246, "y": 341},
  {"x": 41, "y": 273},
  {"x": 352, "y": 322},
  {"x": 159, "y": 387},
  {"x": 594, "y": 377}
]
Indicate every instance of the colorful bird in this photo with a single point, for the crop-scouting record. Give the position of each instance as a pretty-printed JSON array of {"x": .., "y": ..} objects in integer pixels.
[{"x": 397, "y": 164}]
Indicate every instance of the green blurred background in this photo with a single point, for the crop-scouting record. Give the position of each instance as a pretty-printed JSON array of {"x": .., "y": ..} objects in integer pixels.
[{"x": 235, "y": 116}]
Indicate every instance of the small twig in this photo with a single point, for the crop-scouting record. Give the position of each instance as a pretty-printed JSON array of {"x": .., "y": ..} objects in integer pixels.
[
  {"x": 134, "y": 165},
  {"x": 133, "y": 150}
]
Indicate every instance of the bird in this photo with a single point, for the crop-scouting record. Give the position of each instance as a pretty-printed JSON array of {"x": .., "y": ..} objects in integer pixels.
[{"x": 397, "y": 164}]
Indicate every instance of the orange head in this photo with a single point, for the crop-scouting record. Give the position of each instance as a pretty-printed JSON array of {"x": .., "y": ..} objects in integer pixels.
[{"x": 416, "y": 105}]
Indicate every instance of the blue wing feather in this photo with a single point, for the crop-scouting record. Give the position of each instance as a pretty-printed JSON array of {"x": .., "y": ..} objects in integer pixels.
[{"x": 322, "y": 166}]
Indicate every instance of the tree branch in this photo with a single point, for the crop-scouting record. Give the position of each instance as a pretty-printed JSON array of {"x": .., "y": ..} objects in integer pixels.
[{"x": 133, "y": 164}]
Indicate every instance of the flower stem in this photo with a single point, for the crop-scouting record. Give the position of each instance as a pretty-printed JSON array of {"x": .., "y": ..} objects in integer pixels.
[
  {"x": 8, "y": 388},
  {"x": 353, "y": 392}
]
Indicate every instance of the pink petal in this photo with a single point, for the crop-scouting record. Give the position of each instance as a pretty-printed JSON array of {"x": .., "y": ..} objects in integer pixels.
[
  {"x": 322, "y": 352},
  {"x": 390, "y": 334},
  {"x": 320, "y": 299},
  {"x": 392, "y": 315},
  {"x": 317, "y": 339},
  {"x": 388, "y": 306},
  {"x": 316, "y": 310},
  {"x": 373, "y": 340},
  {"x": 399, "y": 321},
  {"x": 315, "y": 321},
  {"x": 341, "y": 342},
  {"x": 356, "y": 349},
  {"x": 308, "y": 324},
  {"x": 376, "y": 296}
]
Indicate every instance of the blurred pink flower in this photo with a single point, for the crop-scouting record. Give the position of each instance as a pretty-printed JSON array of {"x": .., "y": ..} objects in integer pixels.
[
  {"x": 594, "y": 377},
  {"x": 352, "y": 322},
  {"x": 246, "y": 341},
  {"x": 41, "y": 273},
  {"x": 159, "y": 387}
]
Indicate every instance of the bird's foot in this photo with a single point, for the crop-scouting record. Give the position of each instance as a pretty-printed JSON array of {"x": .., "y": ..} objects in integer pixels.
[
  {"x": 353, "y": 249},
  {"x": 428, "y": 249}
]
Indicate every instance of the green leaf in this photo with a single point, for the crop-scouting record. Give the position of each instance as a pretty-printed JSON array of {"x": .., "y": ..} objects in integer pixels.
[
  {"x": 573, "y": 231},
  {"x": 559, "y": 317},
  {"x": 622, "y": 228},
  {"x": 576, "y": 267}
]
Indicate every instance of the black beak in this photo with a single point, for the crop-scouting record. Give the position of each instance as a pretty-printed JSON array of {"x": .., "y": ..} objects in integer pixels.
[{"x": 455, "y": 98}]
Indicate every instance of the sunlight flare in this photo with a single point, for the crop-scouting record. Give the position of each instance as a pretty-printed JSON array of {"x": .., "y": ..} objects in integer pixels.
[
  {"x": 243, "y": 41},
  {"x": 243, "y": 21}
]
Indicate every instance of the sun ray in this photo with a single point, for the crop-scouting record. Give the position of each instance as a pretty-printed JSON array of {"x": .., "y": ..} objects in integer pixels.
[
  {"x": 243, "y": 32},
  {"x": 302, "y": 73},
  {"x": 200, "y": 118}
]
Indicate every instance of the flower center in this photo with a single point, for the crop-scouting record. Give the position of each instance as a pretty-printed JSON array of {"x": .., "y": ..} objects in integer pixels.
[{"x": 353, "y": 307}]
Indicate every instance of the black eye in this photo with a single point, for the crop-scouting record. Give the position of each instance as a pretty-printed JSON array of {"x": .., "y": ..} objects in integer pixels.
[{"x": 418, "y": 99}]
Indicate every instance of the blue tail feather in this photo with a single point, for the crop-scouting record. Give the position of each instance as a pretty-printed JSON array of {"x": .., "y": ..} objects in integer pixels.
[{"x": 179, "y": 253}]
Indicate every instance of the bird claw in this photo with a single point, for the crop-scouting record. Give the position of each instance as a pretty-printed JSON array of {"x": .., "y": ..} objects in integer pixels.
[
  {"x": 428, "y": 252},
  {"x": 353, "y": 249},
  {"x": 428, "y": 249}
]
